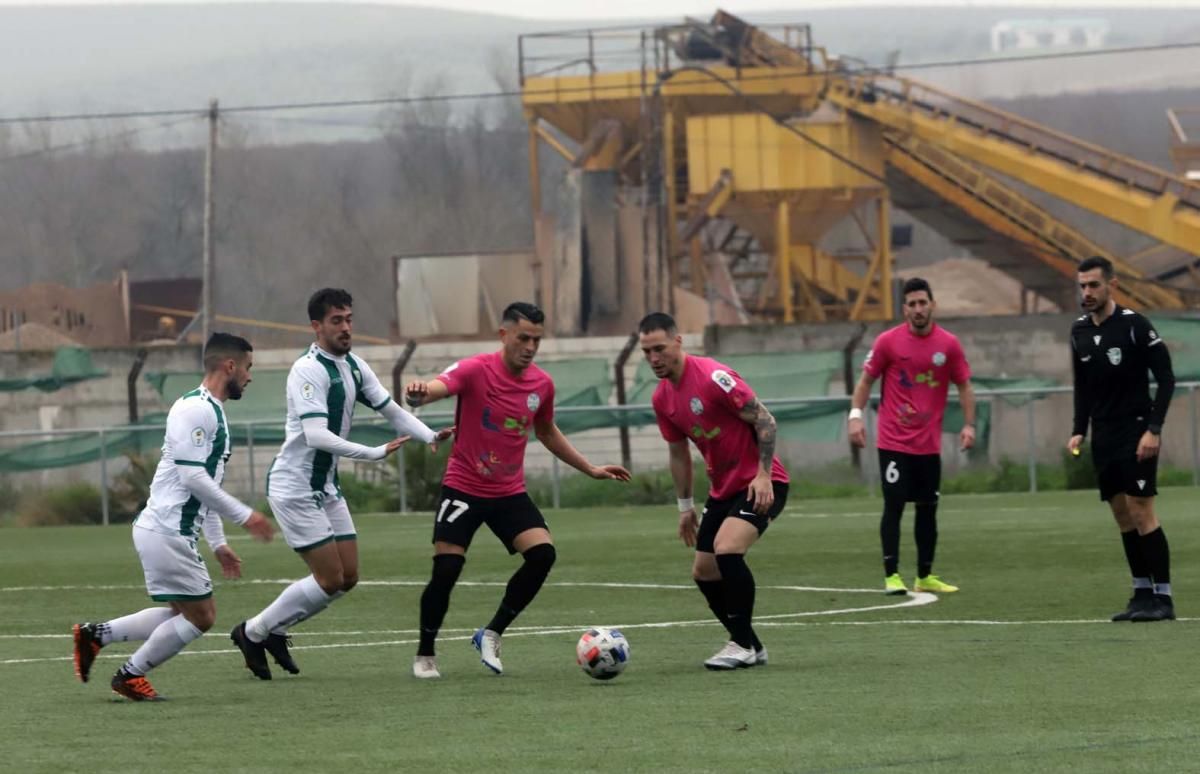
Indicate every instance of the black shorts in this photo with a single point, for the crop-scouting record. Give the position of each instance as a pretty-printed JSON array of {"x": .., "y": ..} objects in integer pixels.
[
  {"x": 716, "y": 511},
  {"x": 910, "y": 478},
  {"x": 1114, "y": 456},
  {"x": 459, "y": 514}
]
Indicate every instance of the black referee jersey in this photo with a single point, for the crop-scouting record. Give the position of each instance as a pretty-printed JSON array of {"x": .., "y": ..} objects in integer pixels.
[{"x": 1111, "y": 363}]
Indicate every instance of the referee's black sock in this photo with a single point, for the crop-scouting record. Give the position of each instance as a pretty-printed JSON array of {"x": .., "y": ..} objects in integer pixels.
[
  {"x": 925, "y": 530},
  {"x": 1138, "y": 568},
  {"x": 524, "y": 585},
  {"x": 1158, "y": 558},
  {"x": 889, "y": 535},
  {"x": 739, "y": 597},
  {"x": 435, "y": 599}
]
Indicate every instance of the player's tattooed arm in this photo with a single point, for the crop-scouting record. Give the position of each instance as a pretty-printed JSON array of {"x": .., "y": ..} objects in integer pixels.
[{"x": 755, "y": 413}]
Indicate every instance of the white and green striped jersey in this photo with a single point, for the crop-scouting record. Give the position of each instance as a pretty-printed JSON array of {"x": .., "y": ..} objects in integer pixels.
[
  {"x": 197, "y": 434},
  {"x": 320, "y": 385}
]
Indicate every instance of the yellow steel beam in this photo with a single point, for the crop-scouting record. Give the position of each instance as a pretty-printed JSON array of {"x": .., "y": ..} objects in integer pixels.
[
  {"x": 783, "y": 259},
  {"x": 553, "y": 141},
  {"x": 1006, "y": 211},
  {"x": 987, "y": 136}
]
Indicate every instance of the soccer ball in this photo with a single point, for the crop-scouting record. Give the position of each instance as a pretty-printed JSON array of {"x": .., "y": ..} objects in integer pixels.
[{"x": 602, "y": 653}]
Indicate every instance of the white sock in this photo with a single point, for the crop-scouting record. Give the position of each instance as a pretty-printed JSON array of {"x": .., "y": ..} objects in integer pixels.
[
  {"x": 299, "y": 601},
  {"x": 282, "y": 629},
  {"x": 167, "y": 639},
  {"x": 135, "y": 626}
]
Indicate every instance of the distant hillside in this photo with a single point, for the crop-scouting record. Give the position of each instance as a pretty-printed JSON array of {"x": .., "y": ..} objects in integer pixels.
[{"x": 100, "y": 58}]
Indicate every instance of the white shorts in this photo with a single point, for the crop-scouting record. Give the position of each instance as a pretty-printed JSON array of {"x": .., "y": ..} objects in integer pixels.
[
  {"x": 308, "y": 522},
  {"x": 173, "y": 567}
]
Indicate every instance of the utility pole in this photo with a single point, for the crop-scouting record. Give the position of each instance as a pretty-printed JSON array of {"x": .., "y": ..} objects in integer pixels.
[{"x": 206, "y": 272}]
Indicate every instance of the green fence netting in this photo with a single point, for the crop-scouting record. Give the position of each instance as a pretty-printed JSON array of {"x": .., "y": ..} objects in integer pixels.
[
  {"x": 71, "y": 365},
  {"x": 1183, "y": 338}
]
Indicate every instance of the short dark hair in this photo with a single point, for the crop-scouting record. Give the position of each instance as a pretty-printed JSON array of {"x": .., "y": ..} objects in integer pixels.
[
  {"x": 325, "y": 299},
  {"x": 914, "y": 284},
  {"x": 523, "y": 310},
  {"x": 222, "y": 347},
  {"x": 658, "y": 321},
  {"x": 1097, "y": 262}
]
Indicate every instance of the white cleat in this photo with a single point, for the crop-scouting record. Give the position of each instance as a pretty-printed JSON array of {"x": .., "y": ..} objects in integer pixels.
[
  {"x": 732, "y": 656},
  {"x": 425, "y": 668},
  {"x": 760, "y": 657},
  {"x": 487, "y": 642}
]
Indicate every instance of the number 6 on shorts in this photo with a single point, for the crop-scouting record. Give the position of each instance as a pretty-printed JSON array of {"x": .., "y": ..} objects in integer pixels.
[
  {"x": 459, "y": 509},
  {"x": 891, "y": 473}
]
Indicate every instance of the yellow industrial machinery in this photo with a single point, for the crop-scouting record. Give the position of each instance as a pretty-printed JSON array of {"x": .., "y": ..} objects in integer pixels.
[{"x": 751, "y": 146}]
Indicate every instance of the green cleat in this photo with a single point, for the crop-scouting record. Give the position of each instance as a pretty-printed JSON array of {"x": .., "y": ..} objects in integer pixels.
[
  {"x": 893, "y": 585},
  {"x": 934, "y": 585}
]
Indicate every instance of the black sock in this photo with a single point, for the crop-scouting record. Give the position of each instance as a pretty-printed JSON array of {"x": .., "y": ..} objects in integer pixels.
[
  {"x": 925, "y": 530},
  {"x": 1158, "y": 555},
  {"x": 739, "y": 597},
  {"x": 889, "y": 535},
  {"x": 1138, "y": 569},
  {"x": 524, "y": 585},
  {"x": 714, "y": 592},
  {"x": 435, "y": 600}
]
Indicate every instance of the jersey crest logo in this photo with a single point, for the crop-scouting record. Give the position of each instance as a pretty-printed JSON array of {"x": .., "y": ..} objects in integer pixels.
[
  {"x": 198, "y": 436},
  {"x": 939, "y": 358},
  {"x": 1114, "y": 355},
  {"x": 723, "y": 380},
  {"x": 533, "y": 401},
  {"x": 1096, "y": 339},
  {"x": 696, "y": 406},
  {"x": 308, "y": 391},
  {"x": 699, "y": 432}
]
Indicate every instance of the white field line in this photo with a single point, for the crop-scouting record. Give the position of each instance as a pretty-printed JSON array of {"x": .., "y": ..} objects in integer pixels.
[
  {"x": 912, "y": 600},
  {"x": 361, "y": 583}
]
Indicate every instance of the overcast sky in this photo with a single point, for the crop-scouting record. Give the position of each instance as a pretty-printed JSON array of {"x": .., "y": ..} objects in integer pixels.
[{"x": 607, "y": 9}]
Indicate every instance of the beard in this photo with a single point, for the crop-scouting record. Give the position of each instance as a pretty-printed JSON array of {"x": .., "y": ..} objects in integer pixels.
[{"x": 233, "y": 390}]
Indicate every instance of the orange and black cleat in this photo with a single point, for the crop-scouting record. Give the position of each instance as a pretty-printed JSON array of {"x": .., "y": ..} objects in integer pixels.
[
  {"x": 87, "y": 645},
  {"x": 134, "y": 687}
]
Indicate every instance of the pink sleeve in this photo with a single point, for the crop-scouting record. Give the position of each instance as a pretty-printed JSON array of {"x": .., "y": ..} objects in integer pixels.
[
  {"x": 545, "y": 412},
  {"x": 878, "y": 359},
  {"x": 670, "y": 433},
  {"x": 960, "y": 370},
  {"x": 727, "y": 387},
  {"x": 461, "y": 375}
]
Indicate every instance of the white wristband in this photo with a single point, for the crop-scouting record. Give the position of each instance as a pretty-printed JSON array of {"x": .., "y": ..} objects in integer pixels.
[
  {"x": 855, "y": 413},
  {"x": 686, "y": 504}
]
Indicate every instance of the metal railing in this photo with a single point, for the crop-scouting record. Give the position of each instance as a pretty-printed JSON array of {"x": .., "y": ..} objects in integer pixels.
[{"x": 1182, "y": 415}]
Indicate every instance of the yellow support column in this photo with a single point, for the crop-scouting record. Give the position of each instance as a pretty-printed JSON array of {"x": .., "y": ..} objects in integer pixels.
[
  {"x": 783, "y": 259},
  {"x": 884, "y": 246},
  {"x": 535, "y": 175}
]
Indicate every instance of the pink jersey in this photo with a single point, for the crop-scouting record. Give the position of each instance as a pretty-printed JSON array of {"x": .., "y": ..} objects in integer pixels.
[
  {"x": 494, "y": 419},
  {"x": 917, "y": 372},
  {"x": 704, "y": 407}
]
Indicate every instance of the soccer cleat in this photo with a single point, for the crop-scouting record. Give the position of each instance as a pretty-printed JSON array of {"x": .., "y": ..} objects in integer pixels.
[
  {"x": 87, "y": 645},
  {"x": 934, "y": 585},
  {"x": 1161, "y": 608},
  {"x": 487, "y": 642},
  {"x": 277, "y": 646},
  {"x": 255, "y": 653},
  {"x": 893, "y": 585},
  {"x": 1137, "y": 603},
  {"x": 732, "y": 656},
  {"x": 760, "y": 656},
  {"x": 134, "y": 687},
  {"x": 425, "y": 668}
]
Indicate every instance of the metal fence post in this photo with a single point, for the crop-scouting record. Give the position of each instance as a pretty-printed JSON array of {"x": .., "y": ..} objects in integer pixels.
[
  {"x": 250, "y": 452},
  {"x": 1031, "y": 445},
  {"x": 1195, "y": 439},
  {"x": 103, "y": 481},
  {"x": 554, "y": 482},
  {"x": 870, "y": 466}
]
